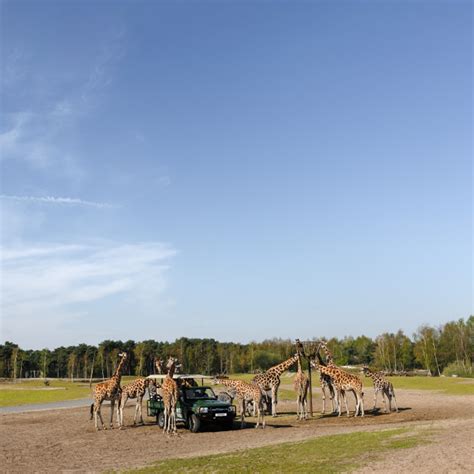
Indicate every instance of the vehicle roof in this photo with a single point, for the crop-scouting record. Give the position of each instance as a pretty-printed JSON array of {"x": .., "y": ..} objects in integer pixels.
[{"x": 181, "y": 376}]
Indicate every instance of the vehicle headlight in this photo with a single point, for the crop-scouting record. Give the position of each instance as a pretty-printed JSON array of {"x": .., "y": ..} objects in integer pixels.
[
  {"x": 203, "y": 410},
  {"x": 232, "y": 408}
]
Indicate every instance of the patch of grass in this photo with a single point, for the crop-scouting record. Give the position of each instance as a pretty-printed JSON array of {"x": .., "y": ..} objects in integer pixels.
[
  {"x": 34, "y": 391},
  {"x": 448, "y": 385},
  {"x": 336, "y": 453}
]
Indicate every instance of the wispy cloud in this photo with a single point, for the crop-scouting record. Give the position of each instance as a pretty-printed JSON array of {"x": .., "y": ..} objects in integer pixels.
[
  {"x": 50, "y": 285},
  {"x": 40, "y": 135},
  {"x": 58, "y": 200}
]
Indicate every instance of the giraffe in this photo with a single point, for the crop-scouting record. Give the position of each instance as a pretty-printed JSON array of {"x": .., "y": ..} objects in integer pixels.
[
  {"x": 169, "y": 390},
  {"x": 301, "y": 385},
  {"x": 343, "y": 382},
  {"x": 108, "y": 390},
  {"x": 325, "y": 380},
  {"x": 245, "y": 392},
  {"x": 382, "y": 385},
  {"x": 159, "y": 366},
  {"x": 270, "y": 380},
  {"x": 135, "y": 389}
]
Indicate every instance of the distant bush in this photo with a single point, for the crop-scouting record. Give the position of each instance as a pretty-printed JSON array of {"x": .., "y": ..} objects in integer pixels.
[
  {"x": 264, "y": 360},
  {"x": 458, "y": 368}
]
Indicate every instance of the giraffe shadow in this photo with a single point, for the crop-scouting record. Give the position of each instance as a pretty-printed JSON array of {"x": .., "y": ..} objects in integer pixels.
[{"x": 380, "y": 412}]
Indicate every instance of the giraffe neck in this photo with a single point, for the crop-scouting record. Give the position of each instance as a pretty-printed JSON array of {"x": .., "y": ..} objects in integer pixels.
[
  {"x": 370, "y": 373},
  {"x": 320, "y": 360},
  {"x": 171, "y": 371},
  {"x": 118, "y": 371},
  {"x": 300, "y": 369},
  {"x": 328, "y": 354},
  {"x": 285, "y": 365}
]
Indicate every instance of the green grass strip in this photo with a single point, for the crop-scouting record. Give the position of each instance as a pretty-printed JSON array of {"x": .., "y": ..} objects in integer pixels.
[
  {"x": 336, "y": 453},
  {"x": 34, "y": 392}
]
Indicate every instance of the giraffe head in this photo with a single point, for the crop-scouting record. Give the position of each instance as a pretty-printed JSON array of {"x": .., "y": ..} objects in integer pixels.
[
  {"x": 218, "y": 379},
  {"x": 172, "y": 364},
  {"x": 123, "y": 357},
  {"x": 365, "y": 370},
  {"x": 159, "y": 365}
]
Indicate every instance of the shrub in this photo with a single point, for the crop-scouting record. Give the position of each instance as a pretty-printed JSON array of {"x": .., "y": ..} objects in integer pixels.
[{"x": 458, "y": 368}]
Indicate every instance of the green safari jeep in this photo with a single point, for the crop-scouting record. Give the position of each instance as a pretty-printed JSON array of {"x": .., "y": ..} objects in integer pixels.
[{"x": 196, "y": 406}]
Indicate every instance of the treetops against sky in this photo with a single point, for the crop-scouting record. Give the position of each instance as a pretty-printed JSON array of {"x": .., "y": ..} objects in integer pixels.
[
  {"x": 447, "y": 349},
  {"x": 233, "y": 170}
]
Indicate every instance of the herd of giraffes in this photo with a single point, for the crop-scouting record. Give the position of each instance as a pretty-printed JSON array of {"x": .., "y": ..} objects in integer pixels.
[{"x": 335, "y": 382}]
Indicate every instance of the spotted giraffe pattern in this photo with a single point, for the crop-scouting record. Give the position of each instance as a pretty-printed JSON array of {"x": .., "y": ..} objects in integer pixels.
[
  {"x": 108, "y": 390},
  {"x": 344, "y": 382},
  {"x": 301, "y": 386},
  {"x": 270, "y": 380},
  {"x": 245, "y": 392},
  {"x": 133, "y": 390},
  {"x": 169, "y": 390},
  {"x": 383, "y": 386}
]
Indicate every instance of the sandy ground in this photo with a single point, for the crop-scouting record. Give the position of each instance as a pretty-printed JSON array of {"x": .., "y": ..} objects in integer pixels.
[
  {"x": 65, "y": 440},
  {"x": 451, "y": 450}
]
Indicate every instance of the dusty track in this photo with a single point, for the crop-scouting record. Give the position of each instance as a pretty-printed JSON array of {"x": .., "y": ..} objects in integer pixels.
[{"x": 65, "y": 440}]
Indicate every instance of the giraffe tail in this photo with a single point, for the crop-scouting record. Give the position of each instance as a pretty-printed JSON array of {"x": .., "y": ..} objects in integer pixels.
[{"x": 92, "y": 411}]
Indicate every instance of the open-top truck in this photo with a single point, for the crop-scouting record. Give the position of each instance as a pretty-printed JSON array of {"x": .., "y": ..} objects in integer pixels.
[{"x": 197, "y": 405}]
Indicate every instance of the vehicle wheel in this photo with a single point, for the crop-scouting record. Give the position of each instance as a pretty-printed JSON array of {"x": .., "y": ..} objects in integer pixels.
[
  {"x": 229, "y": 424},
  {"x": 194, "y": 423},
  {"x": 161, "y": 419}
]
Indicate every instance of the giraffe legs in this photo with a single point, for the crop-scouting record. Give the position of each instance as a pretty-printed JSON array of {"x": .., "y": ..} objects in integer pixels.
[
  {"x": 122, "y": 402},
  {"x": 333, "y": 398},
  {"x": 323, "y": 390},
  {"x": 338, "y": 401},
  {"x": 345, "y": 403},
  {"x": 385, "y": 395},
  {"x": 375, "y": 399},
  {"x": 242, "y": 420},
  {"x": 137, "y": 411},
  {"x": 112, "y": 406},
  {"x": 173, "y": 419},
  {"x": 139, "y": 407},
  {"x": 274, "y": 399},
  {"x": 359, "y": 403},
  {"x": 166, "y": 422},
  {"x": 394, "y": 401},
  {"x": 98, "y": 415},
  {"x": 260, "y": 413}
]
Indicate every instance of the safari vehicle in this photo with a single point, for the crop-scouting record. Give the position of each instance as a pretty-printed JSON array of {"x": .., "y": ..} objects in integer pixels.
[{"x": 197, "y": 405}]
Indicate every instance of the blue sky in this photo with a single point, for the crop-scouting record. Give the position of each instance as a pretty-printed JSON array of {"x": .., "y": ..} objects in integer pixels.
[{"x": 237, "y": 170}]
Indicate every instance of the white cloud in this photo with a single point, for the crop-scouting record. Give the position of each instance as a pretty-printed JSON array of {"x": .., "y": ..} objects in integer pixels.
[
  {"x": 46, "y": 289},
  {"x": 57, "y": 200}
]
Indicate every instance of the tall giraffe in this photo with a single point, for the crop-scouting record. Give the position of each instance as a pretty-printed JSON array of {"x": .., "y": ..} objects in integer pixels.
[
  {"x": 325, "y": 380},
  {"x": 108, "y": 390},
  {"x": 343, "y": 382},
  {"x": 301, "y": 385},
  {"x": 270, "y": 380},
  {"x": 245, "y": 392},
  {"x": 169, "y": 390},
  {"x": 135, "y": 389},
  {"x": 382, "y": 385}
]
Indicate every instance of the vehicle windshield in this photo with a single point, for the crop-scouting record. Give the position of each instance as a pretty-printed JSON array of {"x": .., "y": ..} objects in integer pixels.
[{"x": 200, "y": 393}]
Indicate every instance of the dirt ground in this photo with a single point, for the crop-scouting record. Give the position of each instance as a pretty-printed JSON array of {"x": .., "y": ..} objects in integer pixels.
[{"x": 65, "y": 440}]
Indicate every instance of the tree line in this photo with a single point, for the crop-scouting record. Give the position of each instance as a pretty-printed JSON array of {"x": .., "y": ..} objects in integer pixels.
[{"x": 447, "y": 350}]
